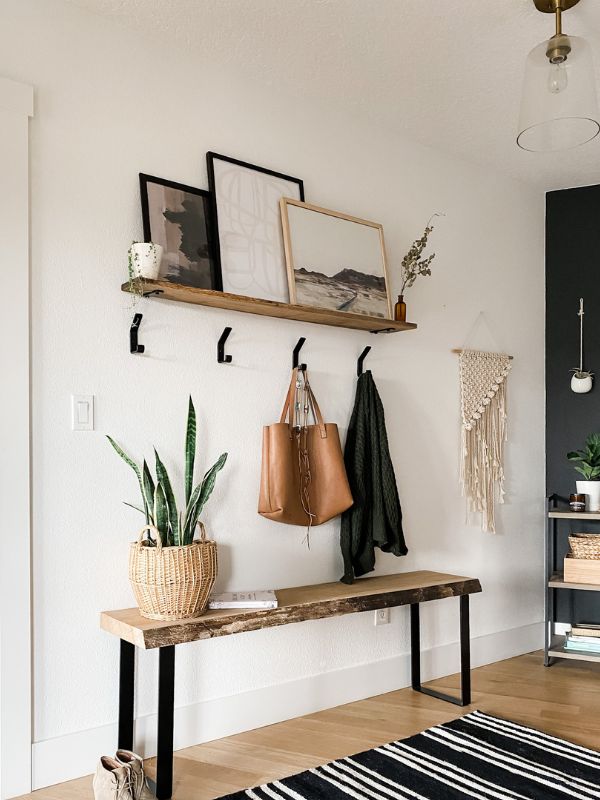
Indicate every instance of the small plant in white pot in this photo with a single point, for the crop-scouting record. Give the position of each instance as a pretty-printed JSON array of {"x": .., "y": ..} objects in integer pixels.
[
  {"x": 143, "y": 265},
  {"x": 171, "y": 574},
  {"x": 589, "y": 460}
]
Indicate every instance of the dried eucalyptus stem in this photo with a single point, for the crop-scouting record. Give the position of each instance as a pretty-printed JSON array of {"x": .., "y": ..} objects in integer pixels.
[{"x": 412, "y": 263}]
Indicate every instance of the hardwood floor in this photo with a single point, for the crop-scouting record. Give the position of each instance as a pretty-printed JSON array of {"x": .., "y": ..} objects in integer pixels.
[{"x": 563, "y": 700}]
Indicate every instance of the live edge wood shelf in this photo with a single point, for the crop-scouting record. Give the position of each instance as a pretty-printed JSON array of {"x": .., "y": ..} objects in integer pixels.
[
  {"x": 295, "y": 605},
  {"x": 268, "y": 308}
]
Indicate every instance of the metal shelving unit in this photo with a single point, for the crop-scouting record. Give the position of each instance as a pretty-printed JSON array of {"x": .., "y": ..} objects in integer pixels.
[{"x": 553, "y": 644}]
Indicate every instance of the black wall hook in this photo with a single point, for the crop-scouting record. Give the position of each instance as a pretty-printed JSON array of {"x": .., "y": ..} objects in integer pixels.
[
  {"x": 361, "y": 358},
  {"x": 296, "y": 353},
  {"x": 134, "y": 347},
  {"x": 221, "y": 357}
]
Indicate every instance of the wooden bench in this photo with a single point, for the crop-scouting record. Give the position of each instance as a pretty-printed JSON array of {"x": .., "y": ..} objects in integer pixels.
[{"x": 295, "y": 605}]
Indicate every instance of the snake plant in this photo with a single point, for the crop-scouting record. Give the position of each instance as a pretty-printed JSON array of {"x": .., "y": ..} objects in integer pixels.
[{"x": 159, "y": 506}]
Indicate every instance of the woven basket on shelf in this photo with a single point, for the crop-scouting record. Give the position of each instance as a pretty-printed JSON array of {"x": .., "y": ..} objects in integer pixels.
[
  {"x": 172, "y": 582},
  {"x": 585, "y": 545}
]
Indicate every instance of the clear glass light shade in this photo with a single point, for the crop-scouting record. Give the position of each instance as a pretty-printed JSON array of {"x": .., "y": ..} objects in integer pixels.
[{"x": 559, "y": 106}]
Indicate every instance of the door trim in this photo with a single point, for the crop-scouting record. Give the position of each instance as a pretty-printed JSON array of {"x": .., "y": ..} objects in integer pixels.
[{"x": 16, "y": 107}]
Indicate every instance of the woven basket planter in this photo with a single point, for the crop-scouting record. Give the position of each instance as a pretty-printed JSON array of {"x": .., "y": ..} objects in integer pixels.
[
  {"x": 172, "y": 582},
  {"x": 585, "y": 545}
]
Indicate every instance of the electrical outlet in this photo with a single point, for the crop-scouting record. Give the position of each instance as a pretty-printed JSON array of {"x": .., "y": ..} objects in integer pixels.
[
  {"x": 382, "y": 616},
  {"x": 82, "y": 412}
]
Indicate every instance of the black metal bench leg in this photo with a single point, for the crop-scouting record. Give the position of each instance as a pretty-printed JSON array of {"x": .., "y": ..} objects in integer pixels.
[
  {"x": 126, "y": 695},
  {"x": 465, "y": 656},
  {"x": 166, "y": 700},
  {"x": 415, "y": 647},
  {"x": 465, "y": 651}
]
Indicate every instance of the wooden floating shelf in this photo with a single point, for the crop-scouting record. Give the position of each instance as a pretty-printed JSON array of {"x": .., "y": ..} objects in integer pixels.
[
  {"x": 268, "y": 308},
  {"x": 574, "y": 514},
  {"x": 557, "y": 581}
]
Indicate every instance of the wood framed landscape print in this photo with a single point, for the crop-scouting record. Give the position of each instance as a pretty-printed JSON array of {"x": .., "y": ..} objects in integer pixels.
[
  {"x": 334, "y": 260},
  {"x": 249, "y": 243},
  {"x": 178, "y": 218}
]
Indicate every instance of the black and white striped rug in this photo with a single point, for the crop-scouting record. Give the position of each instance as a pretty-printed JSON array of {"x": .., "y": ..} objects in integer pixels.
[{"x": 477, "y": 756}]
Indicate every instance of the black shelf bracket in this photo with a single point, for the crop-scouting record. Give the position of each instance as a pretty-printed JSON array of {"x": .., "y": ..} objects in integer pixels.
[
  {"x": 134, "y": 346},
  {"x": 361, "y": 358},
  {"x": 296, "y": 354},
  {"x": 221, "y": 357}
]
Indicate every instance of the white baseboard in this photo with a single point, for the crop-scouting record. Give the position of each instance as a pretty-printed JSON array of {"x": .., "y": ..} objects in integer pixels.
[{"x": 74, "y": 755}]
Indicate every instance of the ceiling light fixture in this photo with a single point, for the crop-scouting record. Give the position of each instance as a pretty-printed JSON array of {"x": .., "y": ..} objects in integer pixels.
[{"x": 559, "y": 106}]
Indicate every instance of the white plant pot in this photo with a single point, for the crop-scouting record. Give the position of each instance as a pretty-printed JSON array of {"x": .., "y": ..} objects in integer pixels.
[
  {"x": 591, "y": 490},
  {"x": 581, "y": 385},
  {"x": 146, "y": 258}
]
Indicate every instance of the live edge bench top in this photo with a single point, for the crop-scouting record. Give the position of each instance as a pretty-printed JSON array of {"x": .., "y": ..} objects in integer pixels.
[{"x": 295, "y": 605}]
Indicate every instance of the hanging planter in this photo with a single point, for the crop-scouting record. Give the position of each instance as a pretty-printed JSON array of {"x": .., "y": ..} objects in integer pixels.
[{"x": 581, "y": 382}]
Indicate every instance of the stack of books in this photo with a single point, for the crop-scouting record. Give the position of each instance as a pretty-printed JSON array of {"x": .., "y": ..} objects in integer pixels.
[
  {"x": 256, "y": 599},
  {"x": 584, "y": 637}
]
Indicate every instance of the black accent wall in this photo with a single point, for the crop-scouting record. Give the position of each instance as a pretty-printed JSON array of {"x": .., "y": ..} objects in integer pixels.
[{"x": 572, "y": 271}]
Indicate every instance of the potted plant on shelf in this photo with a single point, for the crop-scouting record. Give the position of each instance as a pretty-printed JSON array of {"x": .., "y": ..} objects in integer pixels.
[
  {"x": 143, "y": 263},
  {"x": 589, "y": 460},
  {"x": 412, "y": 266},
  {"x": 171, "y": 574}
]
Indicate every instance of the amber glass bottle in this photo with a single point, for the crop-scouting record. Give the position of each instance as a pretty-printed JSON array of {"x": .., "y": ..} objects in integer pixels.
[{"x": 400, "y": 309}]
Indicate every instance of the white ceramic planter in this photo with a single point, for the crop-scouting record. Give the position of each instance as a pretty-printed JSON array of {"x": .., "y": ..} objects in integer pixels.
[
  {"x": 146, "y": 258},
  {"x": 591, "y": 490},
  {"x": 581, "y": 385}
]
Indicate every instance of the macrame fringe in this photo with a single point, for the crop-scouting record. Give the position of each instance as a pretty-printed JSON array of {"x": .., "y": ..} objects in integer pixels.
[{"x": 484, "y": 432}]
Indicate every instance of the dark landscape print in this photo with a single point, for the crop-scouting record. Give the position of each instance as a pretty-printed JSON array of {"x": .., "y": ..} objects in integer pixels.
[{"x": 348, "y": 290}]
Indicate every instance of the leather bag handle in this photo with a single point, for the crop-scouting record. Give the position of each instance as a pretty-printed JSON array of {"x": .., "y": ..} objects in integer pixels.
[
  {"x": 289, "y": 405},
  {"x": 316, "y": 410}
]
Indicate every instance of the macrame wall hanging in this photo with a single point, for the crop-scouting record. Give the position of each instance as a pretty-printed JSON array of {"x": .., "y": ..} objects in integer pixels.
[{"x": 483, "y": 408}]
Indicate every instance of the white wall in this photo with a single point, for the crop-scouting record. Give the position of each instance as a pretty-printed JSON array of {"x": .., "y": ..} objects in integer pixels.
[{"x": 111, "y": 104}]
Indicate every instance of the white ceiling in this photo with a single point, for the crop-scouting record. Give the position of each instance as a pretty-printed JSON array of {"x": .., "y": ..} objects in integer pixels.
[{"x": 447, "y": 74}]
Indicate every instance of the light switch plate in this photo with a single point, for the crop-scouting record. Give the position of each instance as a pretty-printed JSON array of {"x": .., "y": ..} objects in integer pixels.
[{"x": 82, "y": 412}]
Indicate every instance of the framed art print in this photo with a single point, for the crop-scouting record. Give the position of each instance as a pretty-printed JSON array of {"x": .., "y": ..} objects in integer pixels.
[
  {"x": 335, "y": 261},
  {"x": 248, "y": 237},
  {"x": 179, "y": 218}
]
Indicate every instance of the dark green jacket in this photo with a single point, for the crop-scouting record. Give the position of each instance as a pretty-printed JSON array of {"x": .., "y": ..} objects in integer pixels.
[{"x": 375, "y": 519}]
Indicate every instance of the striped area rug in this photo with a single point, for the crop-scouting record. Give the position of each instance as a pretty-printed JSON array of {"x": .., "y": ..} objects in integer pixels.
[{"x": 477, "y": 756}]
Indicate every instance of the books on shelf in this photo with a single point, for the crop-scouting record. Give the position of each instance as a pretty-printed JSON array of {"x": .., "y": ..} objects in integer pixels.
[
  {"x": 588, "y": 644},
  {"x": 256, "y": 599},
  {"x": 586, "y": 629}
]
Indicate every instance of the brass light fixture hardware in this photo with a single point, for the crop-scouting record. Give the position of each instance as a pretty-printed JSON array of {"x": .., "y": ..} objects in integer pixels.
[
  {"x": 559, "y": 107},
  {"x": 559, "y": 45},
  {"x": 550, "y": 6}
]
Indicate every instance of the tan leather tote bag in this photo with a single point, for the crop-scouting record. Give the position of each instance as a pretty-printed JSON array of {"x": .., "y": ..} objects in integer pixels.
[{"x": 303, "y": 478}]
